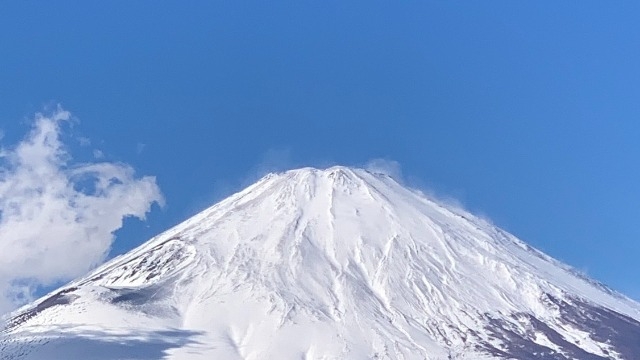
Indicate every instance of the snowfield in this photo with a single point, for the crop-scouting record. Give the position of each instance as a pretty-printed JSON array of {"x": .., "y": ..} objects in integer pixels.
[{"x": 337, "y": 263}]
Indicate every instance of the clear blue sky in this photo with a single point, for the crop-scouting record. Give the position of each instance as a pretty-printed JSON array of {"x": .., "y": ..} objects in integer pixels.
[{"x": 527, "y": 112}]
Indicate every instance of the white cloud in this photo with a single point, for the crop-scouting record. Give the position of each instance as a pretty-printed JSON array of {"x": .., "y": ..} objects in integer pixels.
[{"x": 57, "y": 218}]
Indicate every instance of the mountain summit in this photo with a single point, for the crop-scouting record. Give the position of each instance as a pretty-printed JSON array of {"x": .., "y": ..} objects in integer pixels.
[{"x": 337, "y": 263}]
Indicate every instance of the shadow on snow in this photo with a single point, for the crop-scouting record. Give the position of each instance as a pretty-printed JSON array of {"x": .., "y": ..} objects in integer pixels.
[{"x": 68, "y": 343}]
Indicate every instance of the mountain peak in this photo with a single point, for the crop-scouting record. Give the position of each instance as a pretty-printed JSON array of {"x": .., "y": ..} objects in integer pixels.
[
  {"x": 331, "y": 264},
  {"x": 341, "y": 175}
]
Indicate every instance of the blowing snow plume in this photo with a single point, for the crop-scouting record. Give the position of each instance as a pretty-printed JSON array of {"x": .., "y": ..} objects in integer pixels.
[{"x": 57, "y": 218}]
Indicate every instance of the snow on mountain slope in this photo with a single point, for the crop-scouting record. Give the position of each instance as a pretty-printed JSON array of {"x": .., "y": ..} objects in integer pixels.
[{"x": 329, "y": 264}]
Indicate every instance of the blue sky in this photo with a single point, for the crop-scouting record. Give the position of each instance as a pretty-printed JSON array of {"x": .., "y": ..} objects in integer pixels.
[{"x": 526, "y": 112}]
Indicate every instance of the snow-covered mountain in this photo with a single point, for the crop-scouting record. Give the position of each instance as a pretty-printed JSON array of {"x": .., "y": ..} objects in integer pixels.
[{"x": 329, "y": 264}]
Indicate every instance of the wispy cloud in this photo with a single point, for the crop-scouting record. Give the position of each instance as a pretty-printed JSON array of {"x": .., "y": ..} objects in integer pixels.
[
  {"x": 98, "y": 154},
  {"x": 84, "y": 141},
  {"x": 273, "y": 160},
  {"x": 140, "y": 148},
  {"x": 57, "y": 218},
  {"x": 385, "y": 166}
]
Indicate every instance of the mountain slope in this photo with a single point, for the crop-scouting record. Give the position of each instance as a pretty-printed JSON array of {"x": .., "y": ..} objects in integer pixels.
[{"x": 329, "y": 264}]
